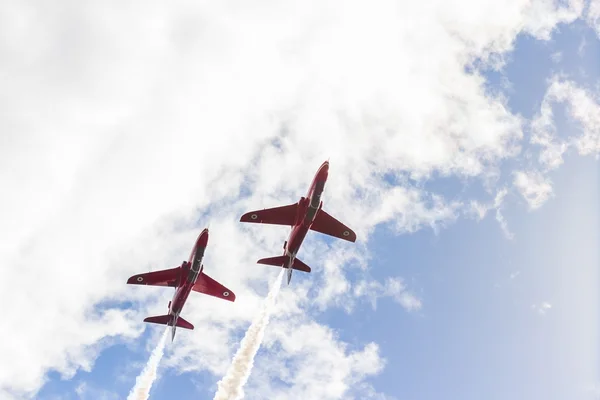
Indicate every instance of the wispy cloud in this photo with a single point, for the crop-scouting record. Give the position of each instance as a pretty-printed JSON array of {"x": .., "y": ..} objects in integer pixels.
[
  {"x": 593, "y": 15},
  {"x": 85, "y": 391},
  {"x": 498, "y": 202},
  {"x": 542, "y": 308},
  {"x": 393, "y": 287},
  {"x": 582, "y": 106},
  {"x": 534, "y": 187}
]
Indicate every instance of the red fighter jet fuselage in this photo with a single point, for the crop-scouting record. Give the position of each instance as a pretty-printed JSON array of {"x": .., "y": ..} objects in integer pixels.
[
  {"x": 302, "y": 216},
  {"x": 308, "y": 207},
  {"x": 185, "y": 278}
]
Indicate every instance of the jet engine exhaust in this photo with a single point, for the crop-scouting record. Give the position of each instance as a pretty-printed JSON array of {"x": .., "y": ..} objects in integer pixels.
[
  {"x": 232, "y": 385},
  {"x": 143, "y": 383}
]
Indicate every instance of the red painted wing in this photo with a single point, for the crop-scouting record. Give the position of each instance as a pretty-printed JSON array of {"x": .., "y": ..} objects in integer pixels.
[
  {"x": 328, "y": 225},
  {"x": 166, "y": 277},
  {"x": 285, "y": 215},
  {"x": 207, "y": 285}
]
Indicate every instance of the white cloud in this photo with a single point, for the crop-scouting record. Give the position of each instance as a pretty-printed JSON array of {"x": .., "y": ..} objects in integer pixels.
[
  {"x": 542, "y": 308},
  {"x": 122, "y": 123},
  {"x": 478, "y": 210},
  {"x": 586, "y": 110},
  {"x": 583, "y": 108},
  {"x": 544, "y": 134},
  {"x": 498, "y": 201},
  {"x": 582, "y": 47},
  {"x": 534, "y": 187},
  {"x": 311, "y": 363},
  {"x": 87, "y": 391},
  {"x": 394, "y": 287},
  {"x": 557, "y": 57},
  {"x": 593, "y": 15},
  {"x": 543, "y": 16}
]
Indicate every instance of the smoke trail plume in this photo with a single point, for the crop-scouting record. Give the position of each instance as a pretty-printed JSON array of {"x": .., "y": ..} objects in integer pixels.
[
  {"x": 232, "y": 384},
  {"x": 144, "y": 381}
]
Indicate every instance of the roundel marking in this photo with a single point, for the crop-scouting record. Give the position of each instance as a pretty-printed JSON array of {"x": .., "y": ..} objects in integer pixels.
[
  {"x": 346, "y": 233},
  {"x": 139, "y": 279},
  {"x": 226, "y": 294},
  {"x": 253, "y": 216}
]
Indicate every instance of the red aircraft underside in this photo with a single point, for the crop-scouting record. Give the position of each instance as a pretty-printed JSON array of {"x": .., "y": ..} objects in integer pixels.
[
  {"x": 185, "y": 278},
  {"x": 307, "y": 214}
]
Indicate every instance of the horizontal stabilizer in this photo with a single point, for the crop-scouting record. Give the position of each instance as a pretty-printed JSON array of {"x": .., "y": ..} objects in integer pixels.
[
  {"x": 285, "y": 215},
  {"x": 300, "y": 266},
  {"x": 280, "y": 261},
  {"x": 182, "y": 323},
  {"x": 160, "y": 319},
  {"x": 166, "y": 320}
]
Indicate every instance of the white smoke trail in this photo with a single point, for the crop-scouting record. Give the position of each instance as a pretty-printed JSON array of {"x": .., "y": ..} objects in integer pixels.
[
  {"x": 232, "y": 384},
  {"x": 144, "y": 381}
]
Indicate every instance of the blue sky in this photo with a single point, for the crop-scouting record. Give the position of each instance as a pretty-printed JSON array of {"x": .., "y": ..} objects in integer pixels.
[{"x": 498, "y": 311}]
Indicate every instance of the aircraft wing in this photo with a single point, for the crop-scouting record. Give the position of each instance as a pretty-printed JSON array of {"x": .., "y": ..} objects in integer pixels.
[
  {"x": 166, "y": 277},
  {"x": 285, "y": 215},
  {"x": 328, "y": 225},
  {"x": 207, "y": 285}
]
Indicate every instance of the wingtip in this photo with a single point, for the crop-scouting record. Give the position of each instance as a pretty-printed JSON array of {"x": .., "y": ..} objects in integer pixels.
[
  {"x": 228, "y": 295},
  {"x": 352, "y": 236},
  {"x": 136, "y": 280},
  {"x": 245, "y": 217}
]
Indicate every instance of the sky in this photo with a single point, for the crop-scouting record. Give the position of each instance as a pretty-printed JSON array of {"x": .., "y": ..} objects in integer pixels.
[{"x": 463, "y": 139}]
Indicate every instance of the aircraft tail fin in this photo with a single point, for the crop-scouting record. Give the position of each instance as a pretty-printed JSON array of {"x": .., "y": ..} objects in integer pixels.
[{"x": 280, "y": 261}]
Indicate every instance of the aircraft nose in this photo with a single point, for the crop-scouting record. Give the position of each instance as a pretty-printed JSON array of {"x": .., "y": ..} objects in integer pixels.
[
  {"x": 203, "y": 239},
  {"x": 324, "y": 171}
]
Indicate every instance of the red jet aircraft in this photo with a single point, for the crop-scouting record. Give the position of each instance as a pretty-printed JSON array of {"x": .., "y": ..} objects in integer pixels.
[
  {"x": 302, "y": 216},
  {"x": 185, "y": 278}
]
